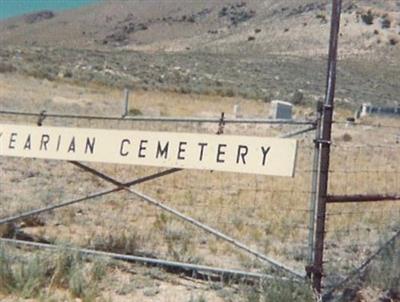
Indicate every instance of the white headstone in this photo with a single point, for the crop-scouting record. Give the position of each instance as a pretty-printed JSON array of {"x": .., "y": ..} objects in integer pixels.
[
  {"x": 236, "y": 111},
  {"x": 365, "y": 109},
  {"x": 125, "y": 103},
  {"x": 281, "y": 110}
]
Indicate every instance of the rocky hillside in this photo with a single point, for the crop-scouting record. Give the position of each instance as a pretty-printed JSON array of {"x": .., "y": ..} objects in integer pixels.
[
  {"x": 261, "y": 49},
  {"x": 245, "y": 26}
]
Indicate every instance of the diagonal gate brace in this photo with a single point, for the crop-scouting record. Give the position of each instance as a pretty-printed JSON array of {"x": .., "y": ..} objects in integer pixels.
[
  {"x": 194, "y": 222},
  {"x": 125, "y": 186},
  {"x": 119, "y": 187}
]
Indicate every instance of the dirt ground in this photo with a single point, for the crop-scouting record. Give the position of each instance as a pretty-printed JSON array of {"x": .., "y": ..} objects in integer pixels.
[{"x": 268, "y": 214}]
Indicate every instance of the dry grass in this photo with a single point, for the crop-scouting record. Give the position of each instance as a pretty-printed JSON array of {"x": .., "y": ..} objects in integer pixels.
[
  {"x": 270, "y": 214},
  {"x": 38, "y": 275}
]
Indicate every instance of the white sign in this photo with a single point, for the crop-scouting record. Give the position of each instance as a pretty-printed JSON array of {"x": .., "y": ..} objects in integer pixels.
[{"x": 244, "y": 154}]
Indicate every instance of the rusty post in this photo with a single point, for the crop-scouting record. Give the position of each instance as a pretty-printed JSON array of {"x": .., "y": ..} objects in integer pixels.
[
  {"x": 324, "y": 141},
  {"x": 362, "y": 198}
]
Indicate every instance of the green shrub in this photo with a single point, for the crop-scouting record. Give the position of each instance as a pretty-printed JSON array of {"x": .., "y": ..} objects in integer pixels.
[
  {"x": 276, "y": 290},
  {"x": 347, "y": 137},
  {"x": 135, "y": 112},
  {"x": 383, "y": 273},
  {"x": 25, "y": 278},
  {"x": 30, "y": 278},
  {"x": 297, "y": 98},
  {"x": 322, "y": 18},
  {"x": 36, "y": 276},
  {"x": 368, "y": 18},
  {"x": 42, "y": 72},
  {"x": 6, "y": 68},
  {"x": 199, "y": 298},
  {"x": 393, "y": 41},
  {"x": 385, "y": 22},
  {"x": 6, "y": 273},
  {"x": 118, "y": 242}
]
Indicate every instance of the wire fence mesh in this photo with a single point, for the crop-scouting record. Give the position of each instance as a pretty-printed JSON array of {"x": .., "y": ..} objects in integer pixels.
[
  {"x": 267, "y": 214},
  {"x": 364, "y": 161}
]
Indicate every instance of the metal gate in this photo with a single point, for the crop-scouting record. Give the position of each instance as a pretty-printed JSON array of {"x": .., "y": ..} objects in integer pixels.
[{"x": 254, "y": 229}]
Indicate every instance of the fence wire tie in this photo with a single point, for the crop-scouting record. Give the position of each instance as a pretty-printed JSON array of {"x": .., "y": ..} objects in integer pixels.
[
  {"x": 322, "y": 142},
  {"x": 221, "y": 124},
  {"x": 174, "y": 119},
  {"x": 41, "y": 118}
]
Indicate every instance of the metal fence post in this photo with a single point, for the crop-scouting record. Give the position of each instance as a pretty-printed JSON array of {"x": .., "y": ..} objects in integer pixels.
[
  {"x": 314, "y": 188},
  {"x": 324, "y": 142},
  {"x": 125, "y": 103}
]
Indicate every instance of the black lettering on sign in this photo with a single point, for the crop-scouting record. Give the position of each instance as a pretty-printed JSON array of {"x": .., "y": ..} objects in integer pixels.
[
  {"x": 44, "y": 141},
  {"x": 162, "y": 151},
  {"x": 181, "y": 150},
  {"x": 12, "y": 140},
  {"x": 90, "y": 145},
  {"x": 71, "y": 147},
  {"x": 202, "y": 146},
  {"x": 241, "y": 154},
  {"x": 58, "y": 143},
  {"x": 220, "y": 153},
  {"x": 121, "y": 150},
  {"x": 142, "y": 147},
  {"x": 265, "y": 152},
  {"x": 28, "y": 144}
]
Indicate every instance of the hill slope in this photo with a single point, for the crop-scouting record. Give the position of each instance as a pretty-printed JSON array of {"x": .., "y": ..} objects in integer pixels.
[
  {"x": 261, "y": 49},
  {"x": 254, "y": 26}
]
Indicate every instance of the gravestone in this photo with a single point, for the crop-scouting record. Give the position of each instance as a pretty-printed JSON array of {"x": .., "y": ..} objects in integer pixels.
[
  {"x": 365, "y": 109},
  {"x": 236, "y": 111},
  {"x": 125, "y": 103},
  {"x": 281, "y": 110}
]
